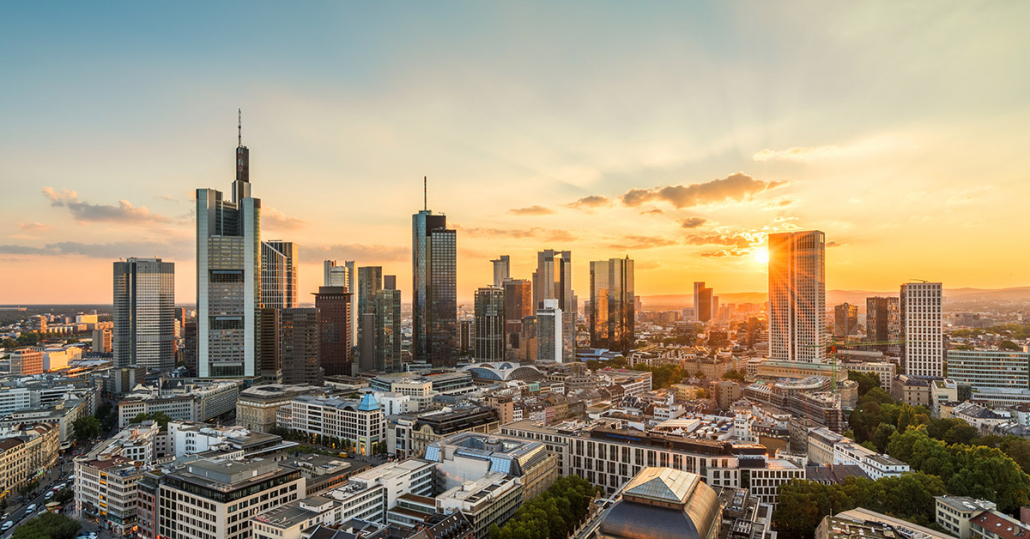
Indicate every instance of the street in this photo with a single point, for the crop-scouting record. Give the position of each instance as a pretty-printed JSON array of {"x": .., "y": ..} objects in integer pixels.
[{"x": 54, "y": 475}]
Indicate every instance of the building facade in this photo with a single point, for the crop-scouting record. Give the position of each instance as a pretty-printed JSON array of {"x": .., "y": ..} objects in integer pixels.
[
  {"x": 989, "y": 368},
  {"x": 489, "y": 324},
  {"x": 300, "y": 346},
  {"x": 334, "y": 329},
  {"x": 923, "y": 328},
  {"x": 435, "y": 297},
  {"x": 797, "y": 296},
  {"x": 612, "y": 299},
  {"x": 279, "y": 274},
  {"x": 143, "y": 313}
]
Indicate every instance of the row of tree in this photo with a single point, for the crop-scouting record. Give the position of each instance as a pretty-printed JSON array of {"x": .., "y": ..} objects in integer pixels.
[
  {"x": 663, "y": 376},
  {"x": 47, "y": 526},
  {"x": 553, "y": 514},
  {"x": 802, "y": 504}
]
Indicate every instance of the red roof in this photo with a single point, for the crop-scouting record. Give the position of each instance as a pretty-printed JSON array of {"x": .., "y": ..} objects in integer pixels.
[{"x": 994, "y": 523}]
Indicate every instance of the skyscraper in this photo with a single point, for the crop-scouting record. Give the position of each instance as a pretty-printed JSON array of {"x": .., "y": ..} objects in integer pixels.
[
  {"x": 922, "y": 326},
  {"x": 553, "y": 280},
  {"x": 611, "y": 316},
  {"x": 333, "y": 275},
  {"x": 489, "y": 324},
  {"x": 279, "y": 274},
  {"x": 502, "y": 269},
  {"x": 549, "y": 332},
  {"x": 144, "y": 314},
  {"x": 883, "y": 324},
  {"x": 301, "y": 347},
  {"x": 518, "y": 304},
  {"x": 845, "y": 320},
  {"x": 434, "y": 300},
  {"x": 370, "y": 282},
  {"x": 797, "y": 296},
  {"x": 269, "y": 345},
  {"x": 334, "y": 316},
  {"x": 702, "y": 302},
  {"x": 388, "y": 326},
  {"x": 228, "y": 277}
]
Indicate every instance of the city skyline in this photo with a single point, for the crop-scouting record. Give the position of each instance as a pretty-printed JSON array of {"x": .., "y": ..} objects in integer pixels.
[{"x": 716, "y": 126}]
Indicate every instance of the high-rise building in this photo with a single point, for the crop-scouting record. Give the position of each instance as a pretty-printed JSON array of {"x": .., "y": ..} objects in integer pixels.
[
  {"x": 466, "y": 337},
  {"x": 549, "y": 330},
  {"x": 388, "y": 327},
  {"x": 334, "y": 323},
  {"x": 279, "y": 274},
  {"x": 346, "y": 276},
  {"x": 300, "y": 347},
  {"x": 518, "y": 304},
  {"x": 845, "y": 320},
  {"x": 144, "y": 314},
  {"x": 702, "y": 302},
  {"x": 434, "y": 302},
  {"x": 923, "y": 329},
  {"x": 797, "y": 296},
  {"x": 553, "y": 280},
  {"x": 189, "y": 347},
  {"x": 502, "y": 269},
  {"x": 611, "y": 314},
  {"x": 883, "y": 324},
  {"x": 26, "y": 362},
  {"x": 370, "y": 281},
  {"x": 102, "y": 340},
  {"x": 269, "y": 345},
  {"x": 228, "y": 277},
  {"x": 489, "y": 324},
  {"x": 333, "y": 275}
]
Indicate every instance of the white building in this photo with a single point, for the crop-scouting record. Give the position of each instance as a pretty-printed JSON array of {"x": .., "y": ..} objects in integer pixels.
[
  {"x": 370, "y": 494},
  {"x": 797, "y": 296},
  {"x": 363, "y": 423},
  {"x": 922, "y": 327},
  {"x": 989, "y": 368},
  {"x": 872, "y": 463}
]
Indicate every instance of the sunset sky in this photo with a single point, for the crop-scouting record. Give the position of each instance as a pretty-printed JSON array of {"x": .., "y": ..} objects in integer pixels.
[{"x": 677, "y": 135}]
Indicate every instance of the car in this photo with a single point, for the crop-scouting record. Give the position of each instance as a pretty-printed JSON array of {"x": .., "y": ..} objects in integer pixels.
[
  {"x": 48, "y": 495},
  {"x": 30, "y": 509},
  {"x": 7, "y": 525},
  {"x": 5, "y": 516}
]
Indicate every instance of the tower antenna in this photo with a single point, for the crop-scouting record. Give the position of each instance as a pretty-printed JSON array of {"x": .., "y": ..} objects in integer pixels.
[
  {"x": 425, "y": 193},
  {"x": 239, "y": 127}
]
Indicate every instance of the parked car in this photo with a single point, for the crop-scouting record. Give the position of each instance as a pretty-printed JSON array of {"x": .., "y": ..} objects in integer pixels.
[
  {"x": 30, "y": 509},
  {"x": 7, "y": 525}
]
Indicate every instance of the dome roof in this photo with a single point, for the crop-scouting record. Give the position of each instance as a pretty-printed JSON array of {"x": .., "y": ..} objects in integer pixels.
[{"x": 661, "y": 503}]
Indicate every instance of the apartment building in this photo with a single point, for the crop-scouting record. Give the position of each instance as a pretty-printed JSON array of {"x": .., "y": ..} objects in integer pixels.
[
  {"x": 257, "y": 406},
  {"x": 362, "y": 422}
]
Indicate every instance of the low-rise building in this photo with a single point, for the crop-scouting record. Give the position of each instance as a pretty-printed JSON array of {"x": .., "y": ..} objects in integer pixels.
[
  {"x": 491, "y": 499},
  {"x": 257, "y": 406},
  {"x": 662, "y": 503},
  {"x": 912, "y": 390},
  {"x": 989, "y": 368},
  {"x": 432, "y": 426},
  {"x": 874, "y": 464},
  {"x": 885, "y": 370},
  {"x": 362, "y": 422},
  {"x": 461, "y": 457},
  {"x": 943, "y": 397},
  {"x": 370, "y": 494},
  {"x": 953, "y": 513},
  {"x": 995, "y": 525},
  {"x": 26, "y": 452}
]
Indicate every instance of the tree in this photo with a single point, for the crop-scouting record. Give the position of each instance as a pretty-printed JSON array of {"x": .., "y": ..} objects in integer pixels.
[
  {"x": 160, "y": 417},
  {"x": 1009, "y": 346},
  {"x": 882, "y": 436},
  {"x": 866, "y": 381},
  {"x": 47, "y": 526},
  {"x": 86, "y": 427},
  {"x": 733, "y": 375}
]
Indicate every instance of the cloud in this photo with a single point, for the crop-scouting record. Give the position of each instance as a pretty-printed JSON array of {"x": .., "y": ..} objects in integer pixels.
[
  {"x": 532, "y": 210},
  {"x": 124, "y": 212},
  {"x": 642, "y": 242},
  {"x": 723, "y": 253},
  {"x": 737, "y": 187},
  {"x": 831, "y": 244},
  {"x": 113, "y": 251},
  {"x": 652, "y": 211},
  {"x": 801, "y": 154},
  {"x": 168, "y": 197},
  {"x": 548, "y": 234},
  {"x": 694, "y": 222},
  {"x": 33, "y": 227},
  {"x": 646, "y": 265},
  {"x": 590, "y": 202},
  {"x": 354, "y": 251},
  {"x": 277, "y": 220},
  {"x": 740, "y": 239}
]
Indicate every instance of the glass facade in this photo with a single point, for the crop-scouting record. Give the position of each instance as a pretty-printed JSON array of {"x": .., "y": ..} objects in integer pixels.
[
  {"x": 144, "y": 314},
  {"x": 612, "y": 300},
  {"x": 434, "y": 284}
]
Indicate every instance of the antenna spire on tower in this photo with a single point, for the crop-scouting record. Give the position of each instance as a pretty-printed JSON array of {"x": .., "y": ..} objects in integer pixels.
[
  {"x": 239, "y": 127},
  {"x": 425, "y": 193}
]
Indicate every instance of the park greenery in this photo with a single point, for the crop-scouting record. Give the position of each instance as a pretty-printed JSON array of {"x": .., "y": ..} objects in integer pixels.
[
  {"x": 160, "y": 417},
  {"x": 86, "y": 428},
  {"x": 733, "y": 375},
  {"x": 47, "y": 526},
  {"x": 553, "y": 514},
  {"x": 30, "y": 338},
  {"x": 663, "y": 376}
]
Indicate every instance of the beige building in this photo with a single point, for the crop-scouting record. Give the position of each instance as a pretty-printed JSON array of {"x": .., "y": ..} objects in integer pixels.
[
  {"x": 911, "y": 390},
  {"x": 105, "y": 489},
  {"x": 257, "y": 406},
  {"x": 953, "y": 513},
  {"x": 26, "y": 452},
  {"x": 491, "y": 499},
  {"x": 26, "y": 362}
]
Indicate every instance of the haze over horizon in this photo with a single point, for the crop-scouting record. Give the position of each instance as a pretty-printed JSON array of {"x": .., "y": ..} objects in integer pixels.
[{"x": 679, "y": 136}]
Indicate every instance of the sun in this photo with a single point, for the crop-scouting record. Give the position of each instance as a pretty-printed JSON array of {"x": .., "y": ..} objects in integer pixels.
[{"x": 761, "y": 255}]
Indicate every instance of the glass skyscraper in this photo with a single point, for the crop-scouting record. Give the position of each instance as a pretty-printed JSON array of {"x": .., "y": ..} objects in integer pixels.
[
  {"x": 144, "y": 314},
  {"x": 612, "y": 299},
  {"x": 279, "y": 274},
  {"x": 434, "y": 263},
  {"x": 489, "y": 324},
  {"x": 797, "y": 296}
]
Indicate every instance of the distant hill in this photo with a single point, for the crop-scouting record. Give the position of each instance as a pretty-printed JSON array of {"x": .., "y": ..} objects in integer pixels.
[{"x": 668, "y": 302}]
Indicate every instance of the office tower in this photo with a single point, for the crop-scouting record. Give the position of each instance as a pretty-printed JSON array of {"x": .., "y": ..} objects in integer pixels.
[
  {"x": 527, "y": 340},
  {"x": 466, "y": 338},
  {"x": 611, "y": 314},
  {"x": 228, "y": 277},
  {"x": 489, "y": 324},
  {"x": 144, "y": 314},
  {"x": 883, "y": 324},
  {"x": 270, "y": 346},
  {"x": 102, "y": 341},
  {"x": 845, "y": 320},
  {"x": 434, "y": 300},
  {"x": 715, "y": 307},
  {"x": 549, "y": 330},
  {"x": 300, "y": 346},
  {"x": 797, "y": 296},
  {"x": 388, "y": 327},
  {"x": 502, "y": 269},
  {"x": 334, "y": 323},
  {"x": 26, "y": 362},
  {"x": 346, "y": 276},
  {"x": 553, "y": 280},
  {"x": 702, "y": 302},
  {"x": 518, "y": 304},
  {"x": 279, "y": 274},
  {"x": 370, "y": 281},
  {"x": 333, "y": 275},
  {"x": 189, "y": 347},
  {"x": 39, "y": 322},
  {"x": 922, "y": 326}
]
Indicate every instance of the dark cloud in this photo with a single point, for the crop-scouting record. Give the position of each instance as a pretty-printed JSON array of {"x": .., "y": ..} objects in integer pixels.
[
  {"x": 115, "y": 250},
  {"x": 354, "y": 251},
  {"x": 589, "y": 202},
  {"x": 532, "y": 210},
  {"x": 642, "y": 242},
  {"x": 33, "y": 227},
  {"x": 652, "y": 211},
  {"x": 277, "y": 220},
  {"x": 835, "y": 244},
  {"x": 735, "y": 188},
  {"x": 694, "y": 222},
  {"x": 124, "y": 212}
]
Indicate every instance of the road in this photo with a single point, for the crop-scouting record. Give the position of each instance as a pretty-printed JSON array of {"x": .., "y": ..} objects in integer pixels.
[{"x": 54, "y": 475}]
